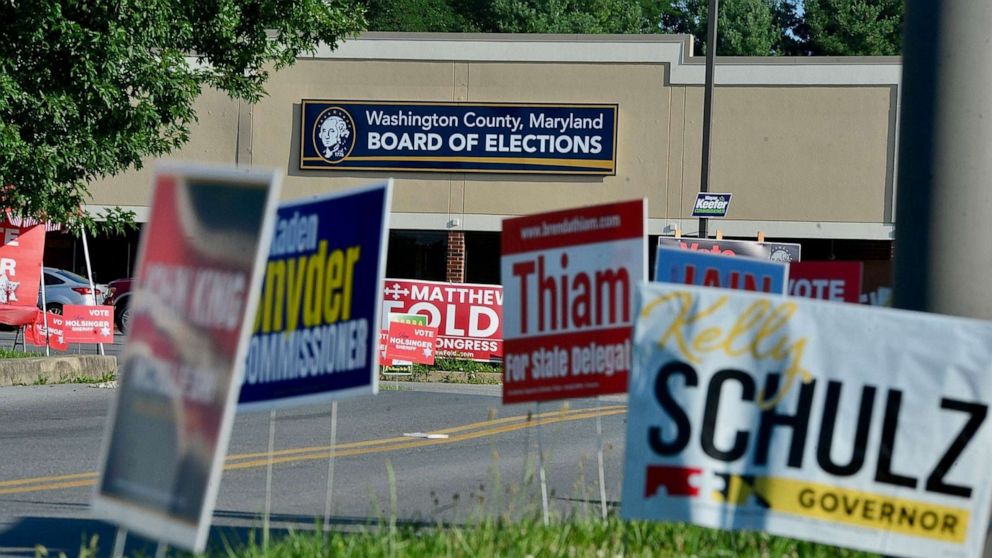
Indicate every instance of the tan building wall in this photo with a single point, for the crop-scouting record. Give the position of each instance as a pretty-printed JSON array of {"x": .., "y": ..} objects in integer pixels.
[{"x": 805, "y": 145}]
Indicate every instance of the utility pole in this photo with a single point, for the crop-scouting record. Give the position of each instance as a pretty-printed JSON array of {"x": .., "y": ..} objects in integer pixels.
[
  {"x": 943, "y": 256},
  {"x": 712, "y": 17}
]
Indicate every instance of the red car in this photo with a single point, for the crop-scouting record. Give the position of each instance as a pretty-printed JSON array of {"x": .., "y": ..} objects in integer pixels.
[{"x": 118, "y": 296}]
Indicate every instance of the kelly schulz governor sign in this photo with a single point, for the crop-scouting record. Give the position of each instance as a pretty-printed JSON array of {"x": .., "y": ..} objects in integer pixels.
[{"x": 846, "y": 425}]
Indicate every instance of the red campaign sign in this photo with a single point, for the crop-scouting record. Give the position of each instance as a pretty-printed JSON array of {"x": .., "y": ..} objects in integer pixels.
[
  {"x": 20, "y": 269},
  {"x": 34, "y": 333},
  {"x": 411, "y": 342},
  {"x": 468, "y": 317},
  {"x": 197, "y": 279},
  {"x": 840, "y": 281},
  {"x": 88, "y": 324},
  {"x": 569, "y": 279}
]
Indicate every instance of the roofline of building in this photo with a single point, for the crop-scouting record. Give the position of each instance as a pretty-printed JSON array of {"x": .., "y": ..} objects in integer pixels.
[{"x": 675, "y": 51}]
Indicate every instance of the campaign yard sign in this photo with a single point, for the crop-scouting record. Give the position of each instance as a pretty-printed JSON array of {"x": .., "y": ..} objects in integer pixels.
[
  {"x": 315, "y": 335},
  {"x": 673, "y": 265},
  {"x": 88, "y": 324},
  {"x": 411, "y": 343},
  {"x": 838, "y": 280},
  {"x": 836, "y": 423},
  {"x": 568, "y": 277},
  {"x": 416, "y": 319},
  {"x": 711, "y": 206},
  {"x": 775, "y": 251},
  {"x": 469, "y": 317},
  {"x": 196, "y": 288},
  {"x": 458, "y": 137}
]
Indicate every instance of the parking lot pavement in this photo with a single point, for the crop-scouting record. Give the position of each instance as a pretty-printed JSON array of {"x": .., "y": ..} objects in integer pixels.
[{"x": 7, "y": 341}]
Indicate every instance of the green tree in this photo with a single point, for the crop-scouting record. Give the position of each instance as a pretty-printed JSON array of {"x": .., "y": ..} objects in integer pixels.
[
  {"x": 88, "y": 88},
  {"x": 746, "y": 27},
  {"x": 854, "y": 27},
  {"x": 418, "y": 16},
  {"x": 564, "y": 16}
]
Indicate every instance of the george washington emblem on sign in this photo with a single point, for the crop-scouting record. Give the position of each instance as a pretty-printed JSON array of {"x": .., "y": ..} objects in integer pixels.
[{"x": 334, "y": 134}]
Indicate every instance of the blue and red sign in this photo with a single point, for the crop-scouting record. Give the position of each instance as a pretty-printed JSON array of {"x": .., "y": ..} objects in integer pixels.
[
  {"x": 316, "y": 329},
  {"x": 458, "y": 137},
  {"x": 691, "y": 267}
]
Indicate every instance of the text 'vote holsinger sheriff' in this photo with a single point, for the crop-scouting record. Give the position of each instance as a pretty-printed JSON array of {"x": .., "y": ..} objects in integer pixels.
[
  {"x": 568, "y": 279},
  {"x": 836, "y": 423}
]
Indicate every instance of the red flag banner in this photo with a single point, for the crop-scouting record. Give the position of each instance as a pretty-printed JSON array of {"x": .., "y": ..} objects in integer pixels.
[
  {"x": 20, "y": 269},
  {"x": 34, "y": 333}
]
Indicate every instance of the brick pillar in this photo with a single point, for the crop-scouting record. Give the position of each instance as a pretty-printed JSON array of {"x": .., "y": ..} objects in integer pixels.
[{"x": 456, "y": 256}]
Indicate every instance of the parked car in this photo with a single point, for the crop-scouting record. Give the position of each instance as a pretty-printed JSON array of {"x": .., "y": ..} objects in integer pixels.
[
  {"x": 65, "y": 287},
  {"x": 118, "y": 296}
]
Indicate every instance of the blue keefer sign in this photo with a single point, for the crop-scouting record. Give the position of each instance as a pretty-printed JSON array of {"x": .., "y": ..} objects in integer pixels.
[
  {"x": 462, "y": 137},
  {"x": 316, "y": 330}
]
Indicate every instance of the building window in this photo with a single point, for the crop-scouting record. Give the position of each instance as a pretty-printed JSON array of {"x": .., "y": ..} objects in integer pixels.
[{"x": 417, "y": 255}]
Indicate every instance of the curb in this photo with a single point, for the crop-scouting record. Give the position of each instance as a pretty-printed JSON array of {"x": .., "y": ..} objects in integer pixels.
[{"x": 51, "y": 370}]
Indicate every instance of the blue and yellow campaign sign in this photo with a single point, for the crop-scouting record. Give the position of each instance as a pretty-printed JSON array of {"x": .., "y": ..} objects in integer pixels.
[
  {"x": 316, "y": 329},
  {"x": 458, "y": 137}
]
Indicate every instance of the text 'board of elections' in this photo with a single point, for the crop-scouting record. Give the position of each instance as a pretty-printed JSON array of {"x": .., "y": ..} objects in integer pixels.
[{"x": 835, "y": 423}]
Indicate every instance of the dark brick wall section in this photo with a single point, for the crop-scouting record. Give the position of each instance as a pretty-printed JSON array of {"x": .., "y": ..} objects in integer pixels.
[{"x": 456, "y": 256}]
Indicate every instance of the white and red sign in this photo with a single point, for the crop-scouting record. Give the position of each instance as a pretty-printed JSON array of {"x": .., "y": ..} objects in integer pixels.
[
  {"x": 197, "y": 286},
  {"x": 23, "y": 245},
  {"x": 569, "y": 277},
  {"x": 468, "y": 317},
  {"x": 411, "y": 343},
  {"x": 88, "y": 324},
  {"x": 838, "y": 281}
]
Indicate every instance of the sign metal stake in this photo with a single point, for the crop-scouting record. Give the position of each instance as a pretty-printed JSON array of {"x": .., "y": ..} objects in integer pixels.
[
  {"x": 599, "y": 456},
  {"x": 330, "y": 466},
  {"x": 544, "y": 479},
  {"x": 268, "y": 480},
  {"x": 119, "y": 541},
  {"x": 89, "y": 275}
]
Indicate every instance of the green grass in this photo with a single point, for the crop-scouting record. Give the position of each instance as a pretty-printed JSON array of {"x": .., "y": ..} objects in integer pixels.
[
  {"x": 459, "y": 365},
  {"x": 447, "y": 370},
  {"x": 11, "y": 353},
  {"x": 579, "y": 538}
]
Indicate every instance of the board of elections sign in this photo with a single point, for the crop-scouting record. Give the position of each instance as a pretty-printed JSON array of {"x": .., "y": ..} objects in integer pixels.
[
  {"x": 836, "y": 423},
  {"x": 569, "y": 278},
  {"x": 458, "y": 137},
  {"x": 196, "y": 288},
  {"x": 315, "y": 334}
]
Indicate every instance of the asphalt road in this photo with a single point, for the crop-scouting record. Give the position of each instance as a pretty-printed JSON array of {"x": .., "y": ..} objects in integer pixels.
[{"x": 50, "y": 441}]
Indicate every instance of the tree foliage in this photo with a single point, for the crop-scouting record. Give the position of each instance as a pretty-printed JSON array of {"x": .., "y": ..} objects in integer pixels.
[
  {"x": 746, "y": 27},
  {"x": 854, "y": 27},
  {"x": 88, "y": 88},
  {"x": 566, "y": 16},
  {"x": 511, "y": 16},
  {"x": 419, "y": 16}
]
